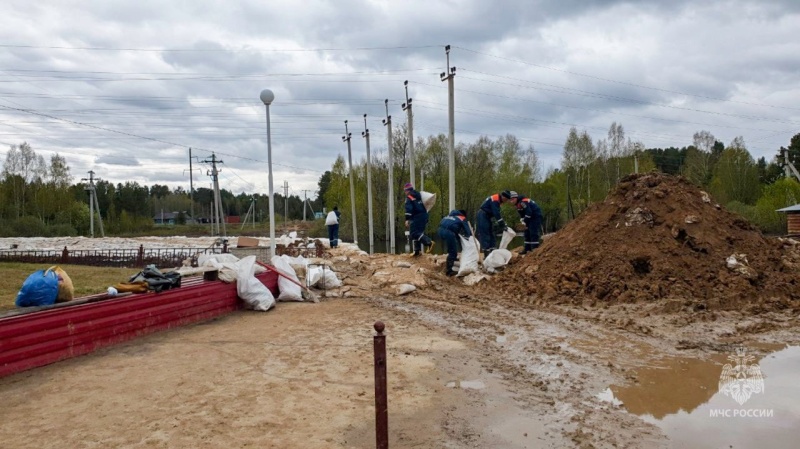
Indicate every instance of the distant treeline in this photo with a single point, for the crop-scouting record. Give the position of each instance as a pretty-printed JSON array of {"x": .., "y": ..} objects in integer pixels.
[{"x": 39, "y": 198}]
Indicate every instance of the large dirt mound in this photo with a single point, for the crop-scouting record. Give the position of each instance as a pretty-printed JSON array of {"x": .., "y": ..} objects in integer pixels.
[{"x": 658, "y": 238}]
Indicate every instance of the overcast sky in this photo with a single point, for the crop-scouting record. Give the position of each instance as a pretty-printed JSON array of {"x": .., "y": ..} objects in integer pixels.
[{"x": 124, "y": 88}]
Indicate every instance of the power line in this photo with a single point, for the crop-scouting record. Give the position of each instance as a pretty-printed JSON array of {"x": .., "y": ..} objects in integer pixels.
[
  {"x": 219, "y": 50},
  {"x": 520, "y": 61}
]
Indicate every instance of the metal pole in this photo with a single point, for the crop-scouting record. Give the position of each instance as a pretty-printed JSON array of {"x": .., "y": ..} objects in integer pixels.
[
  {"x": 369, "y": 189},
  {"x": 381, "y": 400},
  {"x": 407, "y": 108},
  {"x": 388, "y": 123},
  {"x": 346, "y": 138},
  {"x": 285, "y": 202},
  {"x": 91, "y": 204},
  {"x": 191, "y": 187},
  {"x": 449, "y": 76},
  {"x": 267, "y": 97}
]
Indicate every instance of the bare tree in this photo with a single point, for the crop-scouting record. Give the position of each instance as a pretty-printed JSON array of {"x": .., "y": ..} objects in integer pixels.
[
  {"x": 697, "y": 166},
  {"x": 22, "y": 167},
  {"x": 616, "y": 144}
]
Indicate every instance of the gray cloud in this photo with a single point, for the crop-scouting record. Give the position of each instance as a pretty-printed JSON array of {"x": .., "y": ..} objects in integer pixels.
[{"x": 531, "y": 68}]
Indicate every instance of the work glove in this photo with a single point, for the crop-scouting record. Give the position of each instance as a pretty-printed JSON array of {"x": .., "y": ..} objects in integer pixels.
[
  {"x": 508, "y": 229},
  {"x": 522, "y": 220},
  {"x": 500, "y": 225}
]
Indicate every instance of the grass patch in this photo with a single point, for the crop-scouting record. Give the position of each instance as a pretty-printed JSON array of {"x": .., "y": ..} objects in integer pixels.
[{"x": 86, "y": 280}]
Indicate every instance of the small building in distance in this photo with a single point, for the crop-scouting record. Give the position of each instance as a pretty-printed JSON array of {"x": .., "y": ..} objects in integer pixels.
[
  {"x": 792, "y": 220},
  {"x": 172, "y": 218}
]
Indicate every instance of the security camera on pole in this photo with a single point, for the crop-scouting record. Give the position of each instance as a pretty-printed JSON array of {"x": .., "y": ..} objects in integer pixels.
[
  {"x": 267, "y": 97},
  {"x": 346, "y": 138},
  {"x": 451, "y": 154},
  {"x": 365, "y": 134}
]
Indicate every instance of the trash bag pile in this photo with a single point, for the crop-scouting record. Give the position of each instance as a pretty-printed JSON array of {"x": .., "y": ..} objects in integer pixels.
[{"x": 150, "y": 279}]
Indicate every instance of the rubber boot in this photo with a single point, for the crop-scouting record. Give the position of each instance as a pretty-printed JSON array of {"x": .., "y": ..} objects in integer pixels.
[
  {"x": 450, "y": 271},
  {"x": 526, "y": 250},
  {"x": 486, "y": 253},
  {"x": 430, "y": 247}
]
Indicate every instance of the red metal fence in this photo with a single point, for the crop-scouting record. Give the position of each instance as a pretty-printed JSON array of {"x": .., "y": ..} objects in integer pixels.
[{"x": 43, "y": 337}]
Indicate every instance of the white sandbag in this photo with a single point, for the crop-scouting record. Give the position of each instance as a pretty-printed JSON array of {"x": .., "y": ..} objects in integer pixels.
[
  {"x": 468, "y": 263},
  {"x": 331, "y": 281},
  {"x": 227, "y": 270},
  {"x": 498, "y": 258},
  {"x": 508, "y": 236},
  {"x": 255, "y": 294},
  {"x": 289, "y": 291},
  {"x": 428, "y": 200},
  {"x": 299, "y": 260},
  {"x": 404, "y": 289},
  {"x": 314, "y": 276},
  {"x": 221, "y": 258},
  {"x": 299, "y": 264},
  {"x": 331, "y": 219},
  {"x": 293, "y": 235}
]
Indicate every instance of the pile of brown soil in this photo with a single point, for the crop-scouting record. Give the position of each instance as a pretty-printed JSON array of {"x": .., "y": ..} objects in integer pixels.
[{"x": 657, "y": 237}]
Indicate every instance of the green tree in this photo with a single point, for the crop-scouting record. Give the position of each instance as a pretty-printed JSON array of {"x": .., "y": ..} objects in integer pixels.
[
  {"x": 736, "y": 175},
  {"x": 768, "y": 172},
  {"x": 782, "y": 193},
  {"x": 794, "y": 152}
]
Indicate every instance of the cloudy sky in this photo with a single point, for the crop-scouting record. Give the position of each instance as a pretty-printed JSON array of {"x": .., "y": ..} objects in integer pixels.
[{"x": 125, "y": 88}]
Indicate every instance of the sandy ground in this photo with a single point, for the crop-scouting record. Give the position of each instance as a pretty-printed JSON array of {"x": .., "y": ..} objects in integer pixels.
[
  {"x": 298, "y": 376},
  {"x": 469, "y": 367}
]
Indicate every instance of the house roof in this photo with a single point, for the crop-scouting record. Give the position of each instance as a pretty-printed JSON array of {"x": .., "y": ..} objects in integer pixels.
[
  {"x": 170, "y": 216},
  {"x": 795, "y": 208}
]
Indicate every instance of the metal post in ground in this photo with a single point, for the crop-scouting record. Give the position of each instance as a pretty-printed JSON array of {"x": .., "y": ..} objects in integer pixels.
[{"x": 381, "y": 400}]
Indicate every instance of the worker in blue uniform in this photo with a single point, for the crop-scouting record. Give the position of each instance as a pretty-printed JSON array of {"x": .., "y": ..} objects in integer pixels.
[
  {"x": 490, "y": 209},
  {"x": 451, "y": 226},
  {"x": 530, "y": 215},
  {"x": 416, "y": 219}
]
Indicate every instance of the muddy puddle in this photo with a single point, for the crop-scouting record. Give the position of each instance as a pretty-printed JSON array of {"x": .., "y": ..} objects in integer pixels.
[{"x": 736, "y": 400}]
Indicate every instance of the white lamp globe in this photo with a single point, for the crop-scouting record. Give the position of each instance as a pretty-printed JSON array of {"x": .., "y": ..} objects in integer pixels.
[{"x": 267, "y": 96}]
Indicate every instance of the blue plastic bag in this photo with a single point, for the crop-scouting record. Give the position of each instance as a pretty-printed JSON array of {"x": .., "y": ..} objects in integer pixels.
[{"x": 40, "y": 289}]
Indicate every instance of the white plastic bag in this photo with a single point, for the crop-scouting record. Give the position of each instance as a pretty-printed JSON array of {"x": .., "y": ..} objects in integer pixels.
[
  {"x": 428, "y": 200},
  {"x": 508, "y": 236},
  {"x": 331, "y": 219},
  {"x": 498, "y": 258},
  {"x": 469, "y": 256},
  {"x": 255, "y": 294},
  {"x": 289, "y": 291}
]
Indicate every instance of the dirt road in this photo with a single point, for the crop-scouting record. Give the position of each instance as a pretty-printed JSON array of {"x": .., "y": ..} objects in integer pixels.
[{"x": 465, "y": 370}]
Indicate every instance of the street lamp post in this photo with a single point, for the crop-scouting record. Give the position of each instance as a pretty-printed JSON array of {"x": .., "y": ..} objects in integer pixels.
[{"x": 267, "y": 97}]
